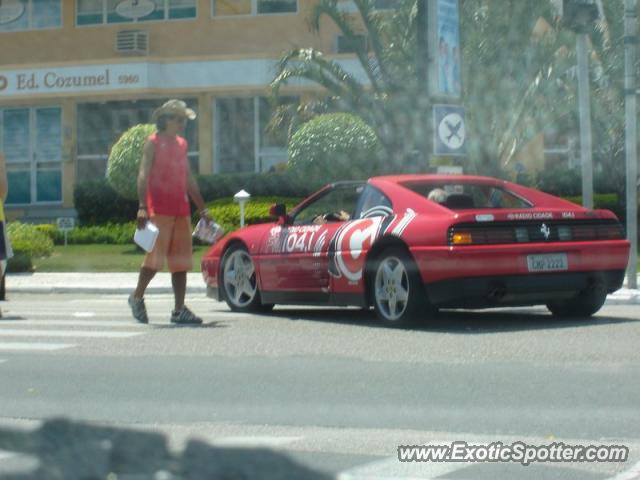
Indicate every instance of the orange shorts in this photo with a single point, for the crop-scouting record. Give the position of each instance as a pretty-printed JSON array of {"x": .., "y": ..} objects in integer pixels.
[{"x": 173, "y": 244}]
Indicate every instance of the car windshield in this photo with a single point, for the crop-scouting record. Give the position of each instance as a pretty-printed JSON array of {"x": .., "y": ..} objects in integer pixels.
[{"x": 456, "y": 196}]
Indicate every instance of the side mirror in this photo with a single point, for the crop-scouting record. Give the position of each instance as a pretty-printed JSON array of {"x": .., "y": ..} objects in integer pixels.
[{"x": 278, "y": 210}]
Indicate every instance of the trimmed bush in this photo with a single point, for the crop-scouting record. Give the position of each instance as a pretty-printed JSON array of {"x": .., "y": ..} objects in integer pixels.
[
  {"x": 97, "y": 203},
  {"x": 28, "y": 243},
  {"x": 124, "y": 160},
  {"x": 335, "y": 146}
]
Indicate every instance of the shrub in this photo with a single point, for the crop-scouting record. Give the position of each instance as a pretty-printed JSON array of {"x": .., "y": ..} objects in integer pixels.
[
  {"x": 124, "y": 160},
  {"x": 98, "y": 203},
  {"x": 567, "y": 182},
  {"x": 336, "y": 146},
  {"x": 227, "y": 213},
  {"x": 225, "y": 186},
  {"x": 28, "y": 243},
  {"x": 607, "y": 201}
]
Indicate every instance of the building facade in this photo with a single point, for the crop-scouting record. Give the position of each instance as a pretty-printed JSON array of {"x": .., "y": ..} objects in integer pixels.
[{"x": 75, "y": 74}]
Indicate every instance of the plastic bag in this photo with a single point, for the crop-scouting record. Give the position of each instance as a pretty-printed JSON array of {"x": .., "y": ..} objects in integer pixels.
[{"x": 208, "y": 231}]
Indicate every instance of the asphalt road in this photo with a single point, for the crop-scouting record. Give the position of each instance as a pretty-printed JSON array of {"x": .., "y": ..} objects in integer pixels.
[{"x": 330, "y": 389}]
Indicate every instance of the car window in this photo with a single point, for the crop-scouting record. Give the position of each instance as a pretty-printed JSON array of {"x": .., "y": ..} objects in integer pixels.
[
  {"x": 458, "y": 196},
  {"x": 337, "y": 204},
  {"x": 373, "y": 203}
]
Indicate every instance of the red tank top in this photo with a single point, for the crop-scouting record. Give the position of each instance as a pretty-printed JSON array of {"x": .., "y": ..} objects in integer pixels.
[{"x": 167, "y": 182}]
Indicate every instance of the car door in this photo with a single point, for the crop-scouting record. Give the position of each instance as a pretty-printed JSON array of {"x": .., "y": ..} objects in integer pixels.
[{"x": 295, "y": 255}]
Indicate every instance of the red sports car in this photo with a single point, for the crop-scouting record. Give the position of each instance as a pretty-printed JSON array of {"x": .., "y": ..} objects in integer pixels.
[{"x": 410, "y": 244}]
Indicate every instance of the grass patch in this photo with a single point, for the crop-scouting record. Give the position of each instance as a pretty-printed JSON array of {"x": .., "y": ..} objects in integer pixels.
[{"x": 101, "y": 258}]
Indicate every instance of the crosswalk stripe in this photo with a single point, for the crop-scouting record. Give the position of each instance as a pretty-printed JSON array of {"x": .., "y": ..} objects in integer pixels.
[
  {"x": 75, "y": 323},
  {"x": 22, "y": 346},
  {"x": 632, "y": 474},
  {"x": 12, "y": 332},
  {"x": 4, "y": 454},
  {"x": 252, "y": 441}
]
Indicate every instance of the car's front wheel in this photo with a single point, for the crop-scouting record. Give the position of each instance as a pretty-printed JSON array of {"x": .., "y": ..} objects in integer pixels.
[
  {"x": 239, "y": 281},
  {"x": 584, "y": 304},
  {"x": 396, "y": 289}
]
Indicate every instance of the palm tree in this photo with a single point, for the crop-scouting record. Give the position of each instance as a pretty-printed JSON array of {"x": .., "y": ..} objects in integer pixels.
[
  {"x": 512, "y": 77},
  {"x": 387, "y": 99}
]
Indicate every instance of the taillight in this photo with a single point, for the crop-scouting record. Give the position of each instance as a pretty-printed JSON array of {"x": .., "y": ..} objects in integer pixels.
[
  {"x": 461, "y": 238},
  {"x": 610, "y": 232}
]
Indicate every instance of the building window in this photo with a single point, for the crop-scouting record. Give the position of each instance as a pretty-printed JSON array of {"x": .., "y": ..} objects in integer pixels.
[
  {"x": 99, "y": 12},
  {"x": 31, "y": 139},
  {"x": 100, "y": 125},
  {"x": 243, "y": 142},
  {"x": 253, "y": 7},
  {"x": 16, "y": 15}
]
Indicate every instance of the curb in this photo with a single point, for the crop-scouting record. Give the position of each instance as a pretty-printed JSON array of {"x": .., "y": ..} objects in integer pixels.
[
  {"x": 95, "y": 290},
  {"x": 118, "y": 283}
]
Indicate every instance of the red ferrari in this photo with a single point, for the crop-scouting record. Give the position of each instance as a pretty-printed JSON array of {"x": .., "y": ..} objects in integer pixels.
[{"x": 410, "y": 244}]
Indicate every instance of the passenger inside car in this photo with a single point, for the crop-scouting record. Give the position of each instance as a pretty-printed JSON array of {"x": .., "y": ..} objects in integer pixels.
[{"x": 438, "y": 195}]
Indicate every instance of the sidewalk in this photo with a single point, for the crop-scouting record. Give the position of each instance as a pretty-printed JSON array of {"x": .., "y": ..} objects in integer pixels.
[
  {"x": 125, "y": 283},
  {"x": 94, "y": 283}
]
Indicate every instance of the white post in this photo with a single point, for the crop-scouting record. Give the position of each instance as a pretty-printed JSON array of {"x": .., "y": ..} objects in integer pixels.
[
  {"x": 242, "y": 197},
  {"x": 631, "y": 142}
]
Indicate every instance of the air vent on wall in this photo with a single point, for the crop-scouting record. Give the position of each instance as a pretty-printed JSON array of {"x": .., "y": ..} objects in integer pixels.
[{"x": 134, "y": 42}]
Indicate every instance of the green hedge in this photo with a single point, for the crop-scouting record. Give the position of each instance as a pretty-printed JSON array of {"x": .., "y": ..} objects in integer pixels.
[
  {"x": 272, "y": 184},
  {"x": 607, "y": 201},
  {"x": 28, "y": 242},
  {"x": 567, "y": 182},
  {"x": 225, "y": 211},
  {"x": 97, "y": 203}
]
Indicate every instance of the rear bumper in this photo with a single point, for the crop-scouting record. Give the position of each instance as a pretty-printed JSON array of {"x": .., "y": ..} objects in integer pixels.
[{"x": 517, "y": 290}]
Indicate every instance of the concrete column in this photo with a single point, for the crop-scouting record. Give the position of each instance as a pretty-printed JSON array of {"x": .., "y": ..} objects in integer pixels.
[
  {"x": 69, "y": 158},
  {"x": 205, "y": 133}
]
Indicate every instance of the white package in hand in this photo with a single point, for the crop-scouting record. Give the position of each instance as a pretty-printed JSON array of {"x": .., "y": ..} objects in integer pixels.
[
  {"x": 146, "y": 237},
  {"x": 207, "y": 231}
]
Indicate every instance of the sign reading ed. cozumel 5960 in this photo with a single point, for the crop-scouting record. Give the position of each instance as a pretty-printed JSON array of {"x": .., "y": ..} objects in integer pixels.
[{"x": 71, "y": 79}]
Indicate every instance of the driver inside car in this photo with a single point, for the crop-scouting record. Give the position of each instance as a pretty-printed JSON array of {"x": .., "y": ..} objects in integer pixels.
[{"x": 340, "y": 216}]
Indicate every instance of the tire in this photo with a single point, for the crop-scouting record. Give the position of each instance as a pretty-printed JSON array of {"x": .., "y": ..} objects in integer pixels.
[
  {"x": 584, "y": 304},
  {"x": 395, "y": 289},
  {"x": 239, "y": 281}
]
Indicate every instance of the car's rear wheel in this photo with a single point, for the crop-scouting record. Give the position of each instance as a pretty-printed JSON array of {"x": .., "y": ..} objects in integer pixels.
[
  {"x": 396, "y": 290},
  {"x": 239, "y": 281},
  {"x": 584, "y": 304}
]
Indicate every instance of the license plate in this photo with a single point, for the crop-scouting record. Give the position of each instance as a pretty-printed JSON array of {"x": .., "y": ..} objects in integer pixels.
[{"x": 549, "y": 262}]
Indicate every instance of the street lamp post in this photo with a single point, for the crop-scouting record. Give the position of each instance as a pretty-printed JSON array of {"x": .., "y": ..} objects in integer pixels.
[
  {"x": 631, "y": 139},
  {"x": 242, "y": 198},
  {"x": 584, "y": 107}
]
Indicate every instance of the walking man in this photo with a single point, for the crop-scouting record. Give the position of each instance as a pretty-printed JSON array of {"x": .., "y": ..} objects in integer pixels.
[{"x": 164, "y": 185}]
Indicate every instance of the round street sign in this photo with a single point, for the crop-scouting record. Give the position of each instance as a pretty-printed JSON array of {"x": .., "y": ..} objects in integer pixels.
[{"x": 451, "y": 131}]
